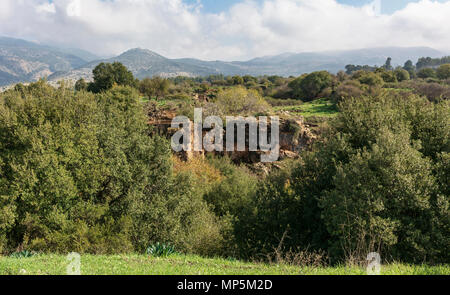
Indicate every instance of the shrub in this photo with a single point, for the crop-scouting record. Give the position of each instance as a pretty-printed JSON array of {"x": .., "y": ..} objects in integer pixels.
[
  {"x": 402, "y": 75},
  {"x": 348, "y": 89},
  {"x": 426, "y": 73},
  {"x": 240, "y": 101},
  {"x": 443, "y": 72},
  {"x": 433, "y": 91},
  {"x": 389, "y": 76},
  {"x": 369, "y": 78},
  {"x": 234, "y": 191},
  {"x": 154, "y": 88},
  {"x": 309, "y": 87}
]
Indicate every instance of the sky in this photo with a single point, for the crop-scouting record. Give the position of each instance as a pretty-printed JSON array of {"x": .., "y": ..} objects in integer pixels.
[
  {"x": 387, "y": 6},
  {"x": 227, "y": 29}
]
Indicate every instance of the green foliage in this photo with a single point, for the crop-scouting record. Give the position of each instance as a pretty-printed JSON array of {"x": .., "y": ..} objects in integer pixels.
[
  {"x": 443, "y": 72},
  {"x": 233, "y": 193},
  {"x": 107, "y": 75},
  {"x": 237, "y": 80},
  {"x": 426, "y": 73},
  {"x": 410, "y": 68},
  {"x": 22, "y": 254},
  {"x": 424, "y": 62},
  {"x": 161, "y": 250},
  {"x": 238, "y": 101},
  {"x": 376, "y": 183},
  {"x": 81, "y": 85},
  {"x": 80, "y": 173},
  {"x": 273, "y": 211},
  {"x": 310, "y": 86},
  {"x": 155, "y": 87},
  {"x": 369, "y": 78},
  {"x": 389, "y": 76},
  {"x": 348, "y": 89},
  {"x": 388, "y": 64},
  {"x": 402, "y": 75}
]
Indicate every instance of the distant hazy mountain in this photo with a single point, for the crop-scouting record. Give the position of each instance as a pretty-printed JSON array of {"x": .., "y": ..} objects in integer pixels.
[
  {"x": 26, "y": 61},
  {"x": 145, "y": 63},
  {"x": 142, "y": 62},
  {"x": 296, "y": 64}
]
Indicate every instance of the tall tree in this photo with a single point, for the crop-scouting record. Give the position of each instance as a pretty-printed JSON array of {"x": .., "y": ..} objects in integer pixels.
[
  {"x": 388, "y": 64},
  {"x": 106, "y": 75}
]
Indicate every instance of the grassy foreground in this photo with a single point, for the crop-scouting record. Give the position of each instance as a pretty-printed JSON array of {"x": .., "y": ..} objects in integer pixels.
[{"x": 185, "y": 265}]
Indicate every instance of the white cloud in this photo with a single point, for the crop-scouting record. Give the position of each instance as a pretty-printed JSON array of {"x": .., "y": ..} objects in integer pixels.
[{"x": 248, "y": 29}]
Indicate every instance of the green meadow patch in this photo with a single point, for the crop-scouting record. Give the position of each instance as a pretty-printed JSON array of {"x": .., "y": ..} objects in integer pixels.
[
  {"x": 318, "y": 108},
  {"x": 187, "y": 265}
]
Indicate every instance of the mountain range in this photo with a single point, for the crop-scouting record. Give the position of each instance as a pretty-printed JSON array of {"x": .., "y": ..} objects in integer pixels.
[{"x": 23, "y": 61}]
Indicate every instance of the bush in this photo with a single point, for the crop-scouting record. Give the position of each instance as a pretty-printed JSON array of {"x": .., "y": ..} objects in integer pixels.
[
  {"x": 234, "y": 192},
  {"x": 433, "y": 91},
  {"x": 309, "y": 87},
  {"x": 426, "y": 73},
  {"x": 348, "y": 89},
  {"x": 240, "y": 102},
  {"x": 154, "y": 88},
  {"x": 369, "y": 78},
  {"x": 402, "y": 75},
  {"x": 273, "y": 211},
  {"x": 443, "y": 72},
  {"x": 389, "y": 76}
]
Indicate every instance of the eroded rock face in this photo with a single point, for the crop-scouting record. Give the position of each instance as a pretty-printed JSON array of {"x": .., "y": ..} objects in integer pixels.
[
  {"x": 298, "y": 137},
  {"x": 295, "y": 137}
]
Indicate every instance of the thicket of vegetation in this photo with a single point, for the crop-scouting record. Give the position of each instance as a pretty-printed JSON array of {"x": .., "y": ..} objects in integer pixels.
[{"x": 80, "y": 169}]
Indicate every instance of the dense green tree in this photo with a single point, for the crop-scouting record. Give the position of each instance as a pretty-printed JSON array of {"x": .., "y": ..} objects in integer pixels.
[
  {"x": 369, "y": 78},
  {"x": 426, "y": 73},
  {"x": 234, "y": 193},
  {"x": 443, "y": 72},
  {"x": 309, "y": 87},
  {"x": 388, "y": 64},
  {"x": 402, "y": 75},
  {"x": 107, "y": 75},
  {"x": 81, "y": 85},
  {"x": 389, "y": 76},
  {"x": 238, "y": 80},
  {"x": 380, "y": 199},
  {"x": 409, "y": 66}
]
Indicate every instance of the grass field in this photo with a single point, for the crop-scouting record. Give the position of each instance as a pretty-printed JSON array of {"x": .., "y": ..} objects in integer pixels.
[
  {"x": 317, "y": 108},
  {"x": 185, "y": 265}
]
